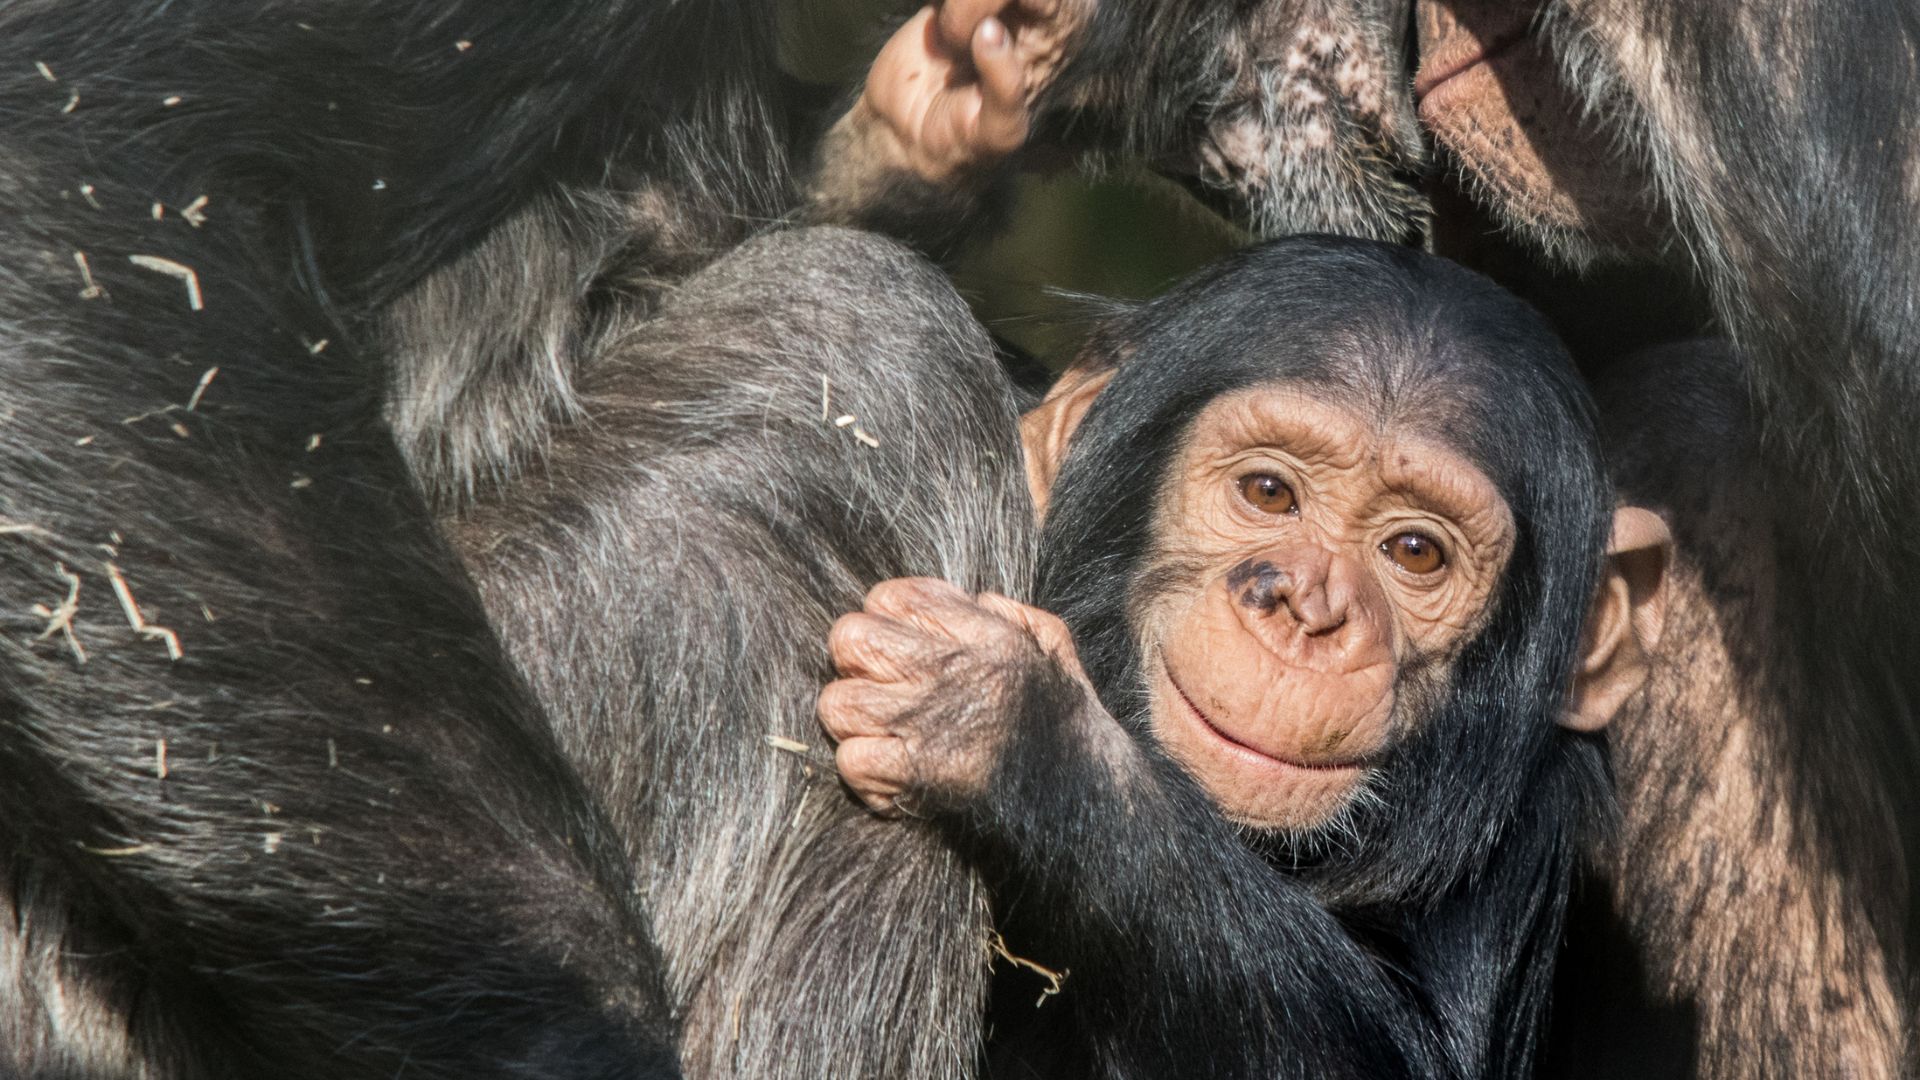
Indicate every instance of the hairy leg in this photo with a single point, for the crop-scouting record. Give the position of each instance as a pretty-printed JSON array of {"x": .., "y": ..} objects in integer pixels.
[{"x": 666, "y": 576}]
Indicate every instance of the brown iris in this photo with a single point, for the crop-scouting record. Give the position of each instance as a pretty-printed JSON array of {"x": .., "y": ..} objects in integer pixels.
[
  {"x": 1267, "y": 493},
  {"x": 1416, "y": 553}
]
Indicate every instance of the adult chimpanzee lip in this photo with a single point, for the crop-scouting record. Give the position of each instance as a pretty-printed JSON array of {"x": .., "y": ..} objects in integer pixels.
[
  {"x": 1426, "y": 82},
  {"x": 1199, "y": 714}
]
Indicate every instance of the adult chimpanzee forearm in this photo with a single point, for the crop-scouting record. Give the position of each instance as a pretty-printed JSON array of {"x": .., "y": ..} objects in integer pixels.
[
  {"x": 924, "y": 151},
  {"x": 812, "y": 413},
  {"x": 856, "y": 181},
  {"x": 1110, "y": 863}
]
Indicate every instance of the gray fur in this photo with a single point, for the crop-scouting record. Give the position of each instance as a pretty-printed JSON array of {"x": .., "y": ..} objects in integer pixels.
[
  {"x": 64, "y": 1016},
  {"x": 709, "y": 509}
]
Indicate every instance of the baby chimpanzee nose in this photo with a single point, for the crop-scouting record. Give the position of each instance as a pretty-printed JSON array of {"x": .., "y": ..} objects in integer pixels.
[{"x": 1302, "y": 581}]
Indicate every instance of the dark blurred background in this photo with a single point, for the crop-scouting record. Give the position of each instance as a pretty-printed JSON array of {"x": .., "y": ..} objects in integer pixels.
[{"x": 1126, "y": 236}]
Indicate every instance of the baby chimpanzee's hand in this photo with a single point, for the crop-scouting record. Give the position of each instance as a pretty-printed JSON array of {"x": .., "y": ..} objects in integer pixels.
[
  {"x": 932, "y": 683},
  {"x": 953, "y": 87}
]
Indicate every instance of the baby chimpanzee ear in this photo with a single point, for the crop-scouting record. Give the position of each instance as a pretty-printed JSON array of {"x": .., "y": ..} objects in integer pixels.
[
  {"x": 1624, "y": 625},
  {"x": 1046, "y": 431}
]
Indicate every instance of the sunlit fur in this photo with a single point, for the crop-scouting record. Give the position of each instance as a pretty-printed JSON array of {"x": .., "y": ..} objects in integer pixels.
[{"x": 1286, "y": 115}]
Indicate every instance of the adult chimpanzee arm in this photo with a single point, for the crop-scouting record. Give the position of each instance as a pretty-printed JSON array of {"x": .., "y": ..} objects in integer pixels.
[{"x": 268, "y": 803}]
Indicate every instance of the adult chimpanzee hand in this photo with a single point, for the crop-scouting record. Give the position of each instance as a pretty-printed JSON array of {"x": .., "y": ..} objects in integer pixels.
[
  {"x": 945, "y": 106},
  {"x": 933, "y": 682},
  {"x": 952, "y": 88}
]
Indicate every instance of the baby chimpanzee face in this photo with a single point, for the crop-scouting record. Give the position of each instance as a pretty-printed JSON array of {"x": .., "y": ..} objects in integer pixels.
[{"x": 1315, "y": 572}]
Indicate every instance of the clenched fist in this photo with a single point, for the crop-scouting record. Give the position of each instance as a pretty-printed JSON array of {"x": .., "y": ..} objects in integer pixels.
[{"x": 933, "y": 681}]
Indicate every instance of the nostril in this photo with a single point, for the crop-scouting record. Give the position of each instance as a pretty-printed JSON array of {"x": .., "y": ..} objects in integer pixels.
[
  {"x": 1260, "y": 586},
  {"x": 1316, "y": 613}
]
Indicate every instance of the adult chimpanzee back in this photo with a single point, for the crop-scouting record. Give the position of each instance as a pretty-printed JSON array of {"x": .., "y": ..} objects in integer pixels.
[
  {"x": 689, "y": 549},
  {"x": 273, "y": 801}
]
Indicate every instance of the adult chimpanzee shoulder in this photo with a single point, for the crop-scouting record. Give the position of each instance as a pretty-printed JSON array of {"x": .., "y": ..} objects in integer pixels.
[
  {"x": 1297, "y": 781},
  {"x": 1756, "y": 159}
]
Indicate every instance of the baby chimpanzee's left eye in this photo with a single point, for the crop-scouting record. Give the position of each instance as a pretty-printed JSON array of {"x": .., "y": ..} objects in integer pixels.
[{"x": 1416, "y": 553}]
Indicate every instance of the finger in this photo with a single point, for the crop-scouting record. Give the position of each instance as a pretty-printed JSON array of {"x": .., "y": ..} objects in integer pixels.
[
  {"x": 1001, "y": 124},
  {"x": 1044, "y": 626},
  {"x": 877, "y": 769},
  {"x": 878, "y": 647},
  {"x": 896, "y": 596},
  {"x": 958, "y": 19},
  {"x": 935, "y": 607},
  {"x": 905, "y": 69},
  {"x": 855, "y": 708}
]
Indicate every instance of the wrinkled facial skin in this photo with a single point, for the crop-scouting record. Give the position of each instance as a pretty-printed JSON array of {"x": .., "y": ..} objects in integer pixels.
[
  {"x": 1489, "y": 92},
  {"x": 1287, "y": 652}
]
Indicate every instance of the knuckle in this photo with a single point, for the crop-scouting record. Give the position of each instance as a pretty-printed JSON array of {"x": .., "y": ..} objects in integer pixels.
[
  {"x": 933, "y": 588},
  {"x": 1050, "y": 627},
  {"x": 896, "y": 595},
  {"x": 1009, "y": 616},
  {"x": 872, "y": 762},
  {"x": 919, "y": 603},
  {"x": 835, "y": 707},
  {"x": 845, "y": 631},
  {"x": 835, "y": 696},
  {"x": 859, "y": 635},
  {"x": 883, "y": 591},
  {"x": 852, "y": 758}
]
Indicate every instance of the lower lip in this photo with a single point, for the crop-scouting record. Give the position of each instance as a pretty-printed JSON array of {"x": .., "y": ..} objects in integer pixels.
[
  {"x": 1243, "y": 748},
  {"x": 1425, "y": 87}
]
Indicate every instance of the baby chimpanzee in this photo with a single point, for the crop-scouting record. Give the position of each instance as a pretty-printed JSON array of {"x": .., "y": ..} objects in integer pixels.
[{"x": 1295, "y": 782}]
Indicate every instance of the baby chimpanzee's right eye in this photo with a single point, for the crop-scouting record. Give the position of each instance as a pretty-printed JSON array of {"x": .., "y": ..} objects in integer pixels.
[{"x": 1267, "y": 493}]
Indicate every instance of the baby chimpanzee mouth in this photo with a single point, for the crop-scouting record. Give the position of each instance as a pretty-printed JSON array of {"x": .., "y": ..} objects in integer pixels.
[{"x": 1207, "y": 721}]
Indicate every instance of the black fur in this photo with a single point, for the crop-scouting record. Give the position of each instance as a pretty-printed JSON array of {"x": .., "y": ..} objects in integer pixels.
[
  {"x": 424, "y": 222},
  {"x": 1421, "y": 942}
]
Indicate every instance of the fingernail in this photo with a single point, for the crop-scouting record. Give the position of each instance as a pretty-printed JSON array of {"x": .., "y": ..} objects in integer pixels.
[{"x": 993, "y": 33}]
